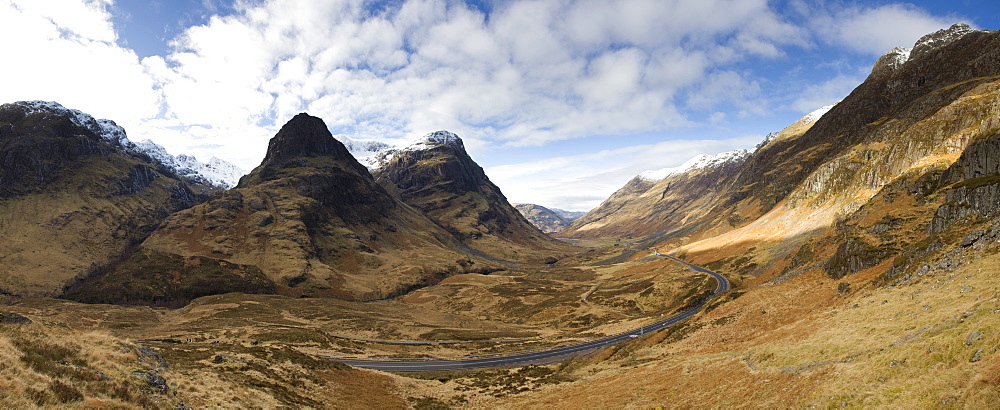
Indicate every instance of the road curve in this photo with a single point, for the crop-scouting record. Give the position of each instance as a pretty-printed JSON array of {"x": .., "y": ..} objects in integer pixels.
[{"x": 546, "y": 355}]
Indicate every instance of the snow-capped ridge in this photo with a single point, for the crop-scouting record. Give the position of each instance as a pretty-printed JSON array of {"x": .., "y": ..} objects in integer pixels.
[
  {"x": 434, "y": 139},
  {"x": 376, "y": 155},
  {"x": 700, "y": 161},
  {"x": 107, "y": 129},
  {"x": 365, "y": 151},
  {"x": 818, "y": 113},
  {"x": 215, "y": 172},
  {"x": 940, "y": 38}
]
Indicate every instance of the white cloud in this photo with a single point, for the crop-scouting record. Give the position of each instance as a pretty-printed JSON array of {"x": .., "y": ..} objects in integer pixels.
[
  {"x": 876, "y": 30},
  {"x": 530, "y": 73},
  {"x": 825, "y": 93},
  {"x": 65, "y": 51}
]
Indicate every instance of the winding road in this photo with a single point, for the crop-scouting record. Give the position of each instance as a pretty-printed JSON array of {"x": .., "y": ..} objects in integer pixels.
[{"x": 547, "y": 355}]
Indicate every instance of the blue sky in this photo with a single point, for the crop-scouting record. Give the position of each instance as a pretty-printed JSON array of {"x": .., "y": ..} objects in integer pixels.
[{"x": 562, "y": 101}]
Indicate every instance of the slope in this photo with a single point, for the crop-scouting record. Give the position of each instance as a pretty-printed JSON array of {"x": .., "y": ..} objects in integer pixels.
[{"x": 74, "y": 194}]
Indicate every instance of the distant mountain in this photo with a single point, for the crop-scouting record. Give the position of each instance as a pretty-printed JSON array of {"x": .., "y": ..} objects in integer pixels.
[
  {"x": 215, "y": 172},
  {"x": 549, "y": 221},
  {"x": 308, "y": 221},
  {"x": 656, "y": 200},
  {"x": 569, "y": 215},
  {"x": 366, "y": 152},
  {"x": 437, "y": 176},
  {"x": 75, "y": 194}
]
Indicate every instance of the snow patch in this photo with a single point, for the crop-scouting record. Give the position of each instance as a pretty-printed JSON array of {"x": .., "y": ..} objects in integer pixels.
[
  {"x": 215, "y": 172},
  {"x": 434, "y": 139},
  {"x": 365, "y": 151},
  {"x": 700, "y": 161},
  {"x": 817, "y": 114}
]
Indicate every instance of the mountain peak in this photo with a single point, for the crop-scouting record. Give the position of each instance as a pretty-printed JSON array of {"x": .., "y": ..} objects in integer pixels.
[
  {"x": 436, "y": 138},
  {"x": 107, "y": 129},
  {"x": 940, "y": 38},
  {"x": 699, "y": 161},
  {"x": 304, "y": 136}
]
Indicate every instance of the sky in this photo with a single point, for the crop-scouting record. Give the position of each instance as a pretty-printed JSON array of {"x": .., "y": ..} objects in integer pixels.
[{"x": 561, "y": 101}]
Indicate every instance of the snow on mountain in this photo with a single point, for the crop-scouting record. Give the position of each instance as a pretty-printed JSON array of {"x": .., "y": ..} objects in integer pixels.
[
  {"x": 365, "y": 151},
  {"x": 433, "y": 139},
  {"x": 700, "y": 161},
  {"x": 105, "y": 128},
  {"x": 215, "y": 172},
  {"x": 375, "y": 154},
  {"x": 940, "y": 38},
  {"x": 817, "y": 114}
]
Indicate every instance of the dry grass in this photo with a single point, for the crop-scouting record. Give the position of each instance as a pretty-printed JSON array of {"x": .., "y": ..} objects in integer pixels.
[{"x": 905, "y": 347}]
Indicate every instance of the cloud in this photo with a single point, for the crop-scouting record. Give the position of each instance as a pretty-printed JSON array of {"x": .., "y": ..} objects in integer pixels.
[
  {"x": 530, "y": 73},
  {"x": 876, "y": 30},
  {"x": 527, "y": 73},
  {"x": 66, "y": 51},
  {"x": 825, "y": 93}
]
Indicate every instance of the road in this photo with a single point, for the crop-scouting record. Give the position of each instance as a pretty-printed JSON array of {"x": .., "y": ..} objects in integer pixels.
[{"x": 539, "y": 356}]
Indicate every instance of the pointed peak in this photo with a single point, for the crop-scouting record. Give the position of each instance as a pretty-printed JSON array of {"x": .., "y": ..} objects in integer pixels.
[{"x": 304, "y": 136}]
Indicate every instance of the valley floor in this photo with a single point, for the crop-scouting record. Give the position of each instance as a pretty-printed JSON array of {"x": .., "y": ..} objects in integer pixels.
[{"x": 808, "y": 341}]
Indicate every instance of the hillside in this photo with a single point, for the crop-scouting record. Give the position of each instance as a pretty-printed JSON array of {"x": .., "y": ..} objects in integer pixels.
[{"x": 75, "y": 194}]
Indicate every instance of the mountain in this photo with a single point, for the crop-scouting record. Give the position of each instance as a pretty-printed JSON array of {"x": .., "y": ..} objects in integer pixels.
[
  {"x": 74, "y": 194},
  {"x": 659, "y": 200},
  {"x": 308, "y": 221},
  {"x": 437, "y": 176},
  {"x": 569, "y": 216},
  {"x": 549, "y": 221},
  {"x": 366, "y": 152},
  {"x": 215, "y": 172}
]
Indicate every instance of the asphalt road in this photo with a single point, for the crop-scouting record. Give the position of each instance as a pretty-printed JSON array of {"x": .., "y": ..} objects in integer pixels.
[{"x": 539, "y": 356}]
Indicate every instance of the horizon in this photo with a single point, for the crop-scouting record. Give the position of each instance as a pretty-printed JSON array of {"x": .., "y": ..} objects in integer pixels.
[{"x": 560, "y": 102}]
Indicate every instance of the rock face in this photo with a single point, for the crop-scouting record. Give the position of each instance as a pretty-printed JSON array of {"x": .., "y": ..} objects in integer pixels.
[
  {"x": 309, "y": 221},
  {"x": 543, "y": 218},
  {"x": 437, "y": 176},
  {"x": 74, "y": 194}
]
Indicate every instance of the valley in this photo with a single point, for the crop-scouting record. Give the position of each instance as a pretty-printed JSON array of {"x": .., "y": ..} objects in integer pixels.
[{"x": 850, "y": 259}]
